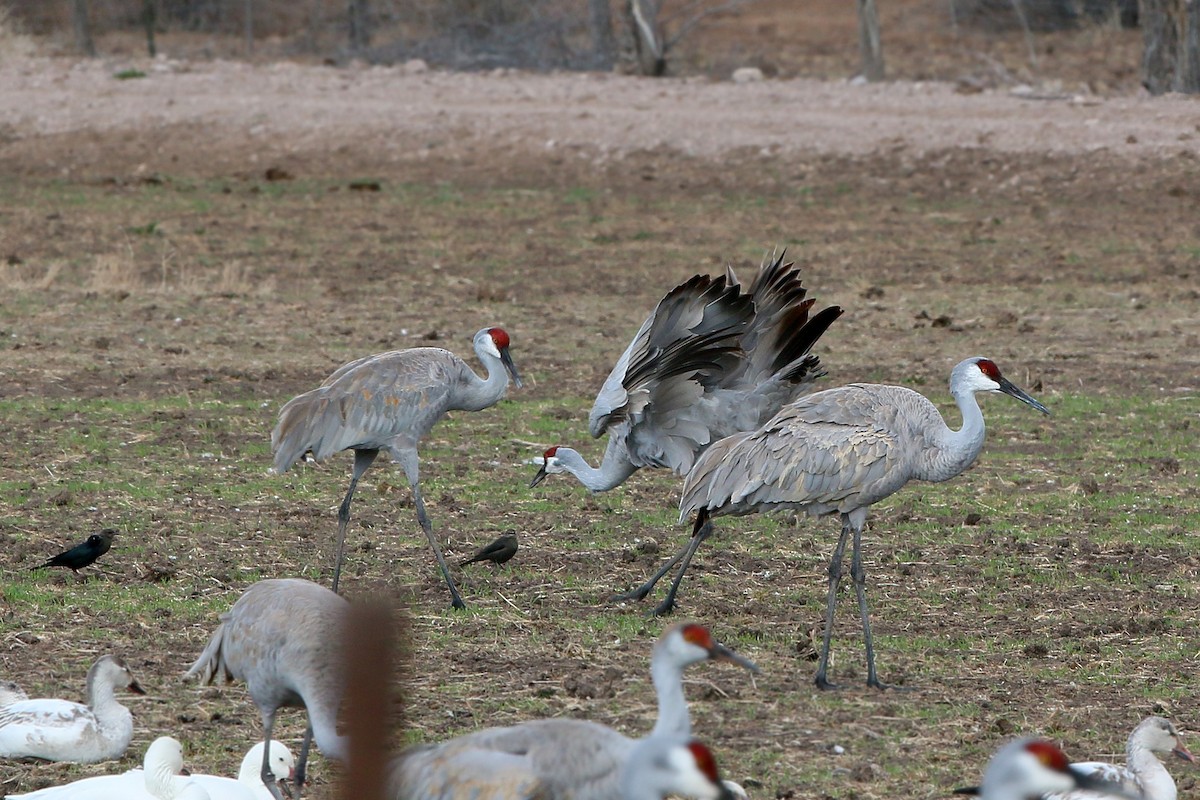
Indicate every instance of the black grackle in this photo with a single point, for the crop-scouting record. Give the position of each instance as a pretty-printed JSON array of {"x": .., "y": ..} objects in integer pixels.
[
  {"x": 497, "y": 552},
  {"x": 83, "y": 554}
]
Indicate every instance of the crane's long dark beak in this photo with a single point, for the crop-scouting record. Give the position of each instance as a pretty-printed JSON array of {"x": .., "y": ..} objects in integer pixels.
[
  {"x": 541, "y": 476},
  {"x": 720, "y": 652},
  {"x": 1010, "y": 389},
  {"x": 511, "y": 367},
  {"x": 135, "y": 687},
  {"x": 1184, "y": 753}
]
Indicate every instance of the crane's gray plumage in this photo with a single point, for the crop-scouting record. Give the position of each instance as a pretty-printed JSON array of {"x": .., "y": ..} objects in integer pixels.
[
  {"x": 283, "y": 639},
  {"x": 837, "y": 452},
  {"x": 712, "y": 359},
  {"x": 389, "y": 402},
  {"x": 556, "y": 758}
]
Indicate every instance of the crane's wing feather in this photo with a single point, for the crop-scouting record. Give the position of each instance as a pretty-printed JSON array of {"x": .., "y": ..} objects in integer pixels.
[
  {"x": 539, "y": 759},
  {"x": 822, "y": 452},
  {"x": 781, "y": 331},
  {"x": 692, "y": 334}
]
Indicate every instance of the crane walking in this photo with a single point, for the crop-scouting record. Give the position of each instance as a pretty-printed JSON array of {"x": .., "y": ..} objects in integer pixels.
[
  {"x": 389, "y": 402},
  {"x": 710, "y": 360},
  {"x": 837, "y": 452}
]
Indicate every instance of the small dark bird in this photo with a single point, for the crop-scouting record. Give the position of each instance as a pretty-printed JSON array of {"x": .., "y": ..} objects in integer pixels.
[
  {"x": 83, "y": 554},
  {"x": 497, "y": 552}
]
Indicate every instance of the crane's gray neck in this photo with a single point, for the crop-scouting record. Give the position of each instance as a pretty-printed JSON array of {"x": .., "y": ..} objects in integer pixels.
[
  {"x": 612, "y": 472},
  {"x": 953, "y": 451},
  {"x": 1157, "y": 783},
  {"x": 480, "y": 393},
  {"x": 673, "y": 717}
]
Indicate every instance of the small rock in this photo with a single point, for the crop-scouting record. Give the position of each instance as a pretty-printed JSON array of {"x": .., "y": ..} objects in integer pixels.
[{"x": 747, "y": 75}]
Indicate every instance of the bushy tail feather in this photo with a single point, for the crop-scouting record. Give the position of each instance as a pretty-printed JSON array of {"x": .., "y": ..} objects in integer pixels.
[
  {"x": 308, "y": 422},
  {"x": 211, "y": 662}
]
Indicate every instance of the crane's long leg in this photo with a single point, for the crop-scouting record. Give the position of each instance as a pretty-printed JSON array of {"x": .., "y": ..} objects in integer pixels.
[
  {"x": 640, "y": 592},
  {"x": 267, "y": 775},
  {"x": 859, "y": 574},
  {"x": 701, "y": 530},
  {"x": 362, "y": 461},
  {"x": 835, "y": 576},
  {"x": 301, "y": 770},
  {"x": 408, "y": 460}
]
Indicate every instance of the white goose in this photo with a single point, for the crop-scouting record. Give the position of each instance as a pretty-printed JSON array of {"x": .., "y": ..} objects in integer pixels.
[
  {"x": 60, "y": 730},
  {"x": 11, "y": 693},
  {"x": 159, "y": 779},
  {"x": 249, "y": 784},
  {"x": 1143, "y": 775}
]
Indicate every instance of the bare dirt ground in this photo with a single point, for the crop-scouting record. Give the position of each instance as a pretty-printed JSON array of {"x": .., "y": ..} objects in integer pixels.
[{"x": 188, "y": 249}]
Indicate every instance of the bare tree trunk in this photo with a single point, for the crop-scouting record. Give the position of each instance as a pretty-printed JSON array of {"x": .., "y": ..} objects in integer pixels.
[
  {"x": 869, "y": 43},
  {"x": 1189, "y": 50},
  {"x": 643, "y": 21},
  {"x": 1162, "y": 22},
  {"x": 149, "y": 17},
  {"x": 604, "y": 47},
  {"x": 360, "y": 29},
  {"x": 82, "y": 28},
  {"x": 249, "y": 24}
]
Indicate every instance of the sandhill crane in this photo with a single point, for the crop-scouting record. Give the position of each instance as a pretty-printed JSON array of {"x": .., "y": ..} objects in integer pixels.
[
  {"x": 389, "y": 402},
  {"x": 61, "y": 730},
  {"x": 283, "y": 638},
  {"x": 709, "y": 361},
  {"x": 1027, "y": 769},
  {"x": 564, "y": 757},
  {"x": 572, "y": 760},
  {"x": 1143, "y": 775},
  {"x": 837, "y": 452}
]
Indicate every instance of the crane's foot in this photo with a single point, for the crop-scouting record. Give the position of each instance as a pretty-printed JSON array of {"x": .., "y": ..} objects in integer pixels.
[
  {"x": 875, "y": 683},
  {"x": 634, "y": 594},
  {"x": 662, "y": 609},
  {"x": 824, "y": 684},
  {"x": 457, "y": 602}
]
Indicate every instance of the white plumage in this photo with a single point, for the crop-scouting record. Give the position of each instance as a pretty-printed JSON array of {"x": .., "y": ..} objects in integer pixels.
[
  {"x": 1143, "y": 775},
  {"x": 158, "y": 779},
  {"x": 62, "y": 730}
]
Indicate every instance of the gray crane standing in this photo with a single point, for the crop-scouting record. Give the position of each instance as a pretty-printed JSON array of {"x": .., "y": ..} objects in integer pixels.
[
  {"x": 837, "y": 452},
  {"x": 283, "y": 637},
  {"x": 710, "y": 360},
  {"x": 389, "y": 402}
]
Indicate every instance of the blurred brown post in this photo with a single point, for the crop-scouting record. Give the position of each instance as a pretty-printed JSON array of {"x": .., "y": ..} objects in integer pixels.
[{"x": 370, "y": 653}]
